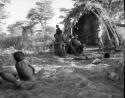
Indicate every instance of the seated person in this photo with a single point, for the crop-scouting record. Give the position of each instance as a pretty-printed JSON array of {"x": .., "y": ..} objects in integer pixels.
[
  {"x": 69, "y": 46},
  {"x": 24, "y": 70},
  {"x": 59, "y": 45},
  {"x": 23, "y": 67},
  {"x": 77, "y": 44},
  {"x": 58, "y": 35},
  {"x": 59, "y": 49}
]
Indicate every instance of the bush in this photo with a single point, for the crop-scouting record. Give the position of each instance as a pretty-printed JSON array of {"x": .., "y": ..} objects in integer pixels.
[
  {"x": 38, "y": 43},
  {"x": 11, "y": 42}
]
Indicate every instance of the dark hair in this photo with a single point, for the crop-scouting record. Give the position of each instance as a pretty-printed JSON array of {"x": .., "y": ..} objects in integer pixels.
[
  {"x": 19, "y": 56},
  {"x": 57, "y": 26}
]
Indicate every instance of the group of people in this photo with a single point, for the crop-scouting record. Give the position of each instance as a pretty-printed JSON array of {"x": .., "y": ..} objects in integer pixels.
[
  {"x": 26, "y": 72},
  {"x": 70, "y": 46}
]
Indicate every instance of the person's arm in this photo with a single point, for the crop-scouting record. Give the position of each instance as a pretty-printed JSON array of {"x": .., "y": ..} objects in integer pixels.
[
  {"x": 32, "y": 68},
  {"x": 28, "y": 64}
]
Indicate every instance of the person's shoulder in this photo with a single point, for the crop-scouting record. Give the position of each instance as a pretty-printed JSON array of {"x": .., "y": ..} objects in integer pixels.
[{"x": 22, "y": 63}]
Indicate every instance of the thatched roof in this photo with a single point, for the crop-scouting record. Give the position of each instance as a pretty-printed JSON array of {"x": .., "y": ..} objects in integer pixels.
[{"x": 85, "y": 8}]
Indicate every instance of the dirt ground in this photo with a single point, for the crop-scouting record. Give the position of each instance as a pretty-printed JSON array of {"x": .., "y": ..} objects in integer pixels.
[{"x": 70, "y": 77}]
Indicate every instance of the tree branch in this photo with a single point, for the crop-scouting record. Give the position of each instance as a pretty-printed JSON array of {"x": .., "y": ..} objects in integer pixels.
[{"x": 120, "y": 25}]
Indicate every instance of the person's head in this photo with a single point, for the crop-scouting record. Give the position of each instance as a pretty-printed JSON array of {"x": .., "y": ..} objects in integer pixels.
[
  {"x": 19, "y": 56},
  {"x": 57, "y": 26}
]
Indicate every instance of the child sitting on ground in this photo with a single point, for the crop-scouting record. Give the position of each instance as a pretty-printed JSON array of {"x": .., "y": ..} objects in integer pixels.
[{"x": 24, "y": 70}]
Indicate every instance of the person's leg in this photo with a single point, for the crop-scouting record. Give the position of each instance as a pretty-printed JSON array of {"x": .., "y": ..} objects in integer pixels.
[
  {"x": 9, "y": 77},
  {"x": 63, "y": 50},
  {"x": 39, "y": 74},
  {"x": 79, "y": 49}
]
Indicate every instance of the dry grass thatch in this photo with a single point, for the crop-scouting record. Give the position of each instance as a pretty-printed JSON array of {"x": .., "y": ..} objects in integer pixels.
[{"x": 85, "y": 8}]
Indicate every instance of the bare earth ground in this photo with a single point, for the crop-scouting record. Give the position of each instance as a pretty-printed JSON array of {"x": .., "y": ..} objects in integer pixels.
[{"x": 71, "y": 77}]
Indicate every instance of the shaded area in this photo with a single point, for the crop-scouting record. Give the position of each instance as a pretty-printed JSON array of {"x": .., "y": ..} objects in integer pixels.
[{"x": 87, "y": 29}]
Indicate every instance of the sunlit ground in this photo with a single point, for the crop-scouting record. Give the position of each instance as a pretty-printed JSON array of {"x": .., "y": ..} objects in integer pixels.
[{"x": 69, "y": 77}]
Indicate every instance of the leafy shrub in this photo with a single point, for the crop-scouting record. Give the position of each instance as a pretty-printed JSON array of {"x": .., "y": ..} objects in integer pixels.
[
  {"x": 38, "y": 43},
  {"x": 10, "y": 42}
]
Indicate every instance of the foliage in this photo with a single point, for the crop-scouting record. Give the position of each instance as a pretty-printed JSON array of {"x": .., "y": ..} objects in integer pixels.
[
  {"x": 64, "y": 12},
  {"x": 81, "y": 13},
  {"x": 4, "y": 1},
  {"x": 3, "y": 35},
  {"x": 21, "y": 28},
  {"x": 42, "y": 12},
  {"x": 113, "y": 7},
  {"x": 38, "y": 43},
  {"x": 10, "y": 42},
  {"x": 3, "y": 13},
  {"x": 50, "y": 30},
  {"x": 14, "y": 29}
]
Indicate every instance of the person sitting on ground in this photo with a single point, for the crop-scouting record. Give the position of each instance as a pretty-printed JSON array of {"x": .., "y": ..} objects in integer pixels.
[
  {"x": 25, "y": 71},
  {"x": 60, "y": 50},
  {"x": 70, "y": 49},
  {"x": 77, "y": 44}
]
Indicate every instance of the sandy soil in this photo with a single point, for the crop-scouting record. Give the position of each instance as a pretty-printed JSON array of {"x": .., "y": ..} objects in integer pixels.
[{"x": 71, "y": 77}]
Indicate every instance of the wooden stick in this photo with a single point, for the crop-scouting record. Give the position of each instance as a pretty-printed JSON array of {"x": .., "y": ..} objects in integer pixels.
[{"x": 124, "y": 54}]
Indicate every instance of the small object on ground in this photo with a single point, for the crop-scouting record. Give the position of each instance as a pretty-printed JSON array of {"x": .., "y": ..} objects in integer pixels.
[
  {"x": 82, "y": 83},
  {"x": 113, "y": 76},
  {"x": 96, "y": 61},
  {"x": 107, "y": 55}
]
